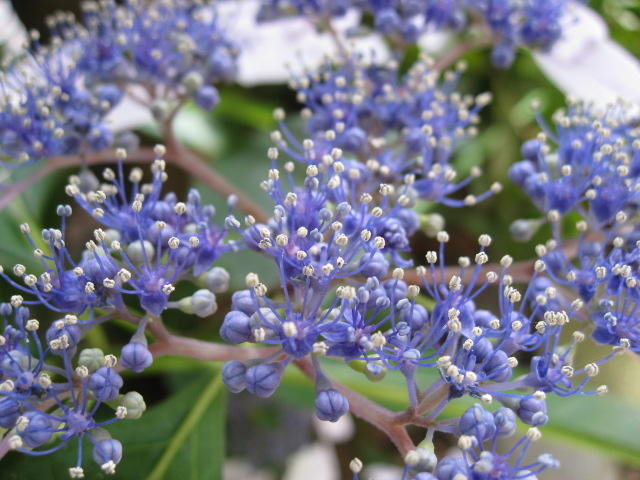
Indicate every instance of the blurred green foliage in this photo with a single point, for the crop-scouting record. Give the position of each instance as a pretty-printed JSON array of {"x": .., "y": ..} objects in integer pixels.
[{"x": 182, "y": 434}]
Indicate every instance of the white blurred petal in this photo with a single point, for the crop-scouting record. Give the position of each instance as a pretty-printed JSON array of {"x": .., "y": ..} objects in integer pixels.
[
  {"x": 380, "y": 471},
  {"x": 313, "y": 462},
  {"x": 588, "y": 65},
  {"x": 267, "y": 48},
  {"x": 241, "y": 470},
  {"x": 335, "y": 432},
  {"x": 435, "y": 42},
  {"x": 13, "y": 35},
  {"x": 130, "y": 113}
]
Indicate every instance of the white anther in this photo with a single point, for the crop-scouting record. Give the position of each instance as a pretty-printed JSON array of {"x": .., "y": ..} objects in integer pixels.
[
  {"x": 355, "y": 465},
  {"x": 32, "y": 325},
  {"x": 320, "y": 348},
  {"x": 444, "y": 361},
  {"x": 484, "y": 240},
  {"x": 15, "y": 442},
  {"x": 259, "y": 334},
  {"x": 282, "y": 240},
  {"x": 260, "y": 290},
  {"x": 534, "y": 434},
  {"x": 379, "y": 340},
  {"x": 481, "y": 258},
  {"x": 442, "y": 237},
  {"x": 567, "y": 371},
  {"x": 592, "y": 369},
  {"x": 109, "y": 468},
  {"x": 110, "y": 361},
  {"x": 289, "y": 329}
]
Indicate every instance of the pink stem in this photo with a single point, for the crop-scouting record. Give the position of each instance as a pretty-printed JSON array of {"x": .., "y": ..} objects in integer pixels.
[
  {"x": 56, "y": 163},
  {"x": 367, "y": 410},
  {"x": 169, "y": 344}
]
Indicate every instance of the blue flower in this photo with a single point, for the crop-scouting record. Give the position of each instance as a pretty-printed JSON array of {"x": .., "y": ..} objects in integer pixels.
[
  {"x": 46, "y": 110},
  {"x": 592, "y": 171},
  {"x": 478, "y": 427},
  {"x": 179, "y": 47}
]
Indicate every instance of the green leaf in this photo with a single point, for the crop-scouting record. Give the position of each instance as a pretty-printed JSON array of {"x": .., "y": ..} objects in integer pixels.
[
  {"x": 182, "y": 437},
  {"x": 194, "y": 128},
  {"x": 195, "y": 450},
  {"x": 246, "y": 109}
]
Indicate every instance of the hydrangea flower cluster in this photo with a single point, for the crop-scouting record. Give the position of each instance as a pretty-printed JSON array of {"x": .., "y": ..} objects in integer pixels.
[
  {"x": 55, "y": 103},
  {"x": 42, "y": 402},
  {"x": 475, "y": 428},
  {"x": 511, "y": 23},
  {"x": 593, "y": 170},
  {"x": 337, "y": 231},
  {"x": 150, "y": 243},
  {"x": 395, "y": 126},
  {"x": 45, "y": 110},
  {"x": 175, "y": 50}
]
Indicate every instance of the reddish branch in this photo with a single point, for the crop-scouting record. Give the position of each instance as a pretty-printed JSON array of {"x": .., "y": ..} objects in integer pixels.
[{"x": 193, "y": 164}]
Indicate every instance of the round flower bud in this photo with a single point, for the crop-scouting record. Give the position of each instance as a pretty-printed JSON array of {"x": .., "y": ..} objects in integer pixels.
[
  {"x": 105, "y": 383},
  {"x": 270, "y": 323},
  {"x": 262, "y": 380},
  {"x": 387, "y": 21},
  {"x": 217, "y": 280},
  {"x": 107, "y": 450},
  {"x": 235, "y": 327},
  {"x": 234, "y": 376},
  {"x": 207, "y": 98},
  {"x": 533, "y": 412},
  {"x": 497, "y": 367},
  {"x": 505, "y": 421},
  {"x": 136, "y": 357},
  {"x": 134, "y": 403},
  {"x": 242, "y": 301},
  {"x": 375, "y": 266},
  {"x": 155, "y": 302},
  {"x": 481, "y": 349},
  {"x": 451, "y": 468},
  {"x": 137, "y": 255},
  {"x": 15, "y": 358},
  {"x": 354, "y": 139},
  {"x": 9, "y": 412},
  {"x": 202, "y": 303},
  {"x": 65, "y": 338},
  {"x": 523, "y": 230},
  {"x": 477, "y": 422},
  {"x": 375, "y": 372},
  {"x": 416, "y": 316},
  {"x": 396, "y": 289},
  {"x": 424, "y": 476},
  {"x": 38, "y": 431},
  {"x": 92, "y": 358},
  {"x": 421, "y": 460},
  {"x": 331, "y": 405}
]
